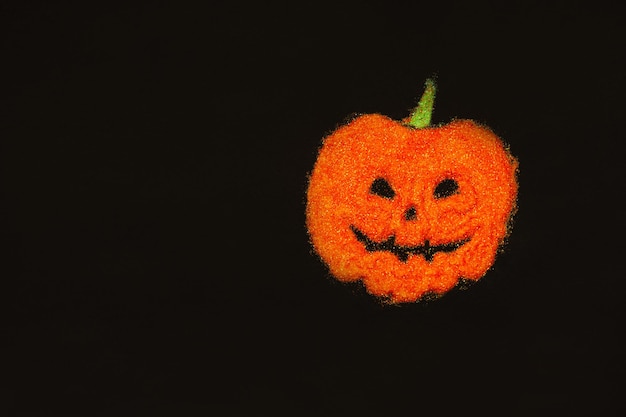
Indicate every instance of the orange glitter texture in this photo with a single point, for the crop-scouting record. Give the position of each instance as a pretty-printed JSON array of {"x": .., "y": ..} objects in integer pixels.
[{"x": 410, "y": 211}]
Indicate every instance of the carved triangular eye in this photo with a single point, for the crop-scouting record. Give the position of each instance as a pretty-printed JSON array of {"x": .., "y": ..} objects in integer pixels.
[
  {"x": 446, "y": 188},
  {"x": 381, "y": 188}
]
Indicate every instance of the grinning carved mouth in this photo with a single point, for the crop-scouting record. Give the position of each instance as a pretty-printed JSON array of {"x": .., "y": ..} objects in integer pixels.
[{"x": 403, "y": 252}]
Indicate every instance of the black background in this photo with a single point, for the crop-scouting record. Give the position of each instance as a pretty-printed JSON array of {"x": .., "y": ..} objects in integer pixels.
[{"x": 154, "y": 163}]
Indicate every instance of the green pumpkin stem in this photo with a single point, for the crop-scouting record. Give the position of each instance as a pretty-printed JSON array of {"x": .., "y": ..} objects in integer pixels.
[{"x": 420, "y": 117}]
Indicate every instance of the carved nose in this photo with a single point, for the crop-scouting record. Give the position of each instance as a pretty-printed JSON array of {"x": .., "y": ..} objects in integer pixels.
[{"x": 410, "y": 214}]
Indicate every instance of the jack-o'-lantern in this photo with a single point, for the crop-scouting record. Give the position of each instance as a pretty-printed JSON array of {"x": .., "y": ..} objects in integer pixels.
[{"x": 410, "y": 208}]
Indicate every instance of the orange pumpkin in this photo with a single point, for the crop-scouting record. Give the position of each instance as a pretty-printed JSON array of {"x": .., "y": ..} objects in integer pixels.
[{"x": 410, "y": 208}]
